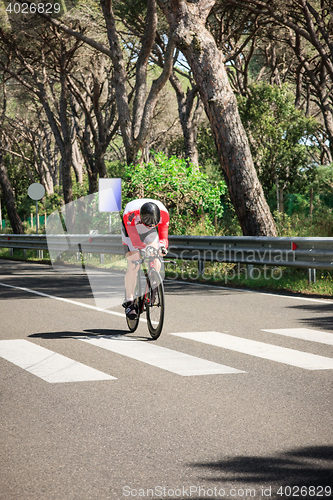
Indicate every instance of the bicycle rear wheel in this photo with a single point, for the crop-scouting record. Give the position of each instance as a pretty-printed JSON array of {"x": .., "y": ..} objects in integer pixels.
[{"x": 155, "y": 306}]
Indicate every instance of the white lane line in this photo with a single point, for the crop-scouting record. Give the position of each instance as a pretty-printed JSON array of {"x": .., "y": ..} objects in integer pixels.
[
  {"x": 46, "y": 364},
  {"x": 160, "y": 357},
  {"x": 261, "y": 350},
  {"x": 74, "y": 302},
  {"x": 305, "y": 334}
]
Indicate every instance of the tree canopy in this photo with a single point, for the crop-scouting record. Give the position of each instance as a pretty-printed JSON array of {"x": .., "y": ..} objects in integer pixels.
[{"x": 101, "y": 83}]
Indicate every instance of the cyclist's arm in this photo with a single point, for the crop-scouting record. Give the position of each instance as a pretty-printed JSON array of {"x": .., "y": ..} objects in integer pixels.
[
  {"x": 129, "y": 223},
  {"x": 163, "y": 229}
]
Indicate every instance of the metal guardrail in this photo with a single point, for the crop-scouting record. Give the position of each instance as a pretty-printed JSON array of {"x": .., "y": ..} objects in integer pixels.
[
  {"x": 311, "y": 253},
  {"x": 107, "y": 244},
  {"x": 297, "y": 252}
]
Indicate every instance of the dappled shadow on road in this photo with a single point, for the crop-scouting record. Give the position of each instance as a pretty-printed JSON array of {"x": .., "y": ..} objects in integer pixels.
[
  {"x": 311, "y": 466},
  {"x": 77, "y": 286},
  {"x": 91, "y": 332},
  {"x": 321, "y": 315},
  {"x": 12, "y": 267},
  {"x": 69, "y": 283},
  {"x": 69, "y": 287}
]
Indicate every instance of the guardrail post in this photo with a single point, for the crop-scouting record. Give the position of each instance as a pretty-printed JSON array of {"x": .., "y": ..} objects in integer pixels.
[{"x": 312, "y": 275}]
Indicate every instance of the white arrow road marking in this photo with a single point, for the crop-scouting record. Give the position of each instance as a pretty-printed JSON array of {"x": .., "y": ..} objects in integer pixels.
[
  {"x": 261, "y": 350},
  {"x": 160, "y": 357},
  {"x": 46, "y": 364},
  {"x": 305, "y": 334}
]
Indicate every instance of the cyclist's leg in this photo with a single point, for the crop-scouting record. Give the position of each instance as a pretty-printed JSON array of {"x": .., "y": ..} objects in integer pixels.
[
  {"x": 131, "y": 253},
  {"x": 131, "y": 273},
  {"x": 153, "y": 240}
]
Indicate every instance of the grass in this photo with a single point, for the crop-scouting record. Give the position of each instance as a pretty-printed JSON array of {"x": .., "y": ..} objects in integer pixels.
[
  {"x": 267, "y": 278},
  {"x": 27, "y": 255}
]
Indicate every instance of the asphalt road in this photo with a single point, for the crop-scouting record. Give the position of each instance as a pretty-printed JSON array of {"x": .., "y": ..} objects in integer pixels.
[{"x": 255, "y": 427}]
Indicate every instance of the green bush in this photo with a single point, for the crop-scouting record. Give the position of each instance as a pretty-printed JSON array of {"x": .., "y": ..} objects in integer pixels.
[
  {"x": 282, "y": 137},
  {"x": 193, "y": 200}
]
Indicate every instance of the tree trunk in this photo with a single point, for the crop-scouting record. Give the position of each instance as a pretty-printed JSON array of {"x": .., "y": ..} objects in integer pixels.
[
  {"x": 93, "y": 181},
  {"x": 281, "y": 200},
  {"x": 78, "y": 162},
  {"x": 327, "y": 111},
  {"x": 9, "y": 199},
  {"x": 277, "y": 194},
  {"x": 47, "y": 179},
  {"x": 62, "y": 136},
  {"x": 120, "y": 79},
  {"x": 189, "y": 115},
  {"x": 187, "y": 22},
  {"x": 135, "y": 129},
  {"x": 311, "y": 202},
  {"x": 66, "y": 145}
]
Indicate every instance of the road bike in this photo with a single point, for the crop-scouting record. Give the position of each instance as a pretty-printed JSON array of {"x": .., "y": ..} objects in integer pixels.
[{"x": 150, "y": 297}]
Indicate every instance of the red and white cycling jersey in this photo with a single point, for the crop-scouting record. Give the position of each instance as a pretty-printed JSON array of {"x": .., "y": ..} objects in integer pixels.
[{"x": 135, "y": 234}]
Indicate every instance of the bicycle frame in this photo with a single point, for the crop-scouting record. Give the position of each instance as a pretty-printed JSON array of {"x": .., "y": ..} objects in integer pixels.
[
  {"x": 152, "y": 300},
  {"x": 150, "y": 259}
]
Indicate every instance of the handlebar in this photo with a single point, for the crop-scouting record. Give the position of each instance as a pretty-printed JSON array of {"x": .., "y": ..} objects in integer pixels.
[{"x": 150, "y": 252}]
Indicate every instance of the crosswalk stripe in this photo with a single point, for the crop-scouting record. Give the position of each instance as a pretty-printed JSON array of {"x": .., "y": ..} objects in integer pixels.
[
  {"x": 46, "y": 364},
  {"x": 305, "y": 334},
  {"x": 160, "y": 357},
  {"x": 260, "y": 349}
]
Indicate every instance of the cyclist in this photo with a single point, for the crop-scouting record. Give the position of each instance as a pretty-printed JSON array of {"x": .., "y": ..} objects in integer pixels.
[{"x": 145, "y": 222}]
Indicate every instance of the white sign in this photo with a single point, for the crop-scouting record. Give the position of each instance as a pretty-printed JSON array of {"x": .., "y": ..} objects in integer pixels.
[
  {"x": 36, "y": 191},
  {"x": 109, "y": 195}
]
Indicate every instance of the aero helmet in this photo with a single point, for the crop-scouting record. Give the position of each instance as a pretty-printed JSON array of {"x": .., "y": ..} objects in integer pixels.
[{"x": 150, "y": 214}]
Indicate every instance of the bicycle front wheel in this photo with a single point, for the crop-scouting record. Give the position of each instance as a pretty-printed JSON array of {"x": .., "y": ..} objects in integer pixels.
[
  {"x": 138, "y": 301},
  {"x": 133, "y": 323},
  {"x": 155, "y": 305}
]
